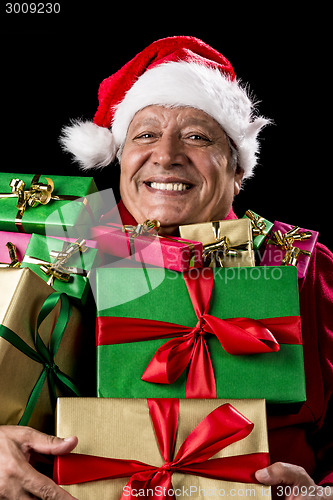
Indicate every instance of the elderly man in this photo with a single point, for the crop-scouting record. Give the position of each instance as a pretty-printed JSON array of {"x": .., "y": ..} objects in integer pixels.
[{"x": 185, "y": 133}]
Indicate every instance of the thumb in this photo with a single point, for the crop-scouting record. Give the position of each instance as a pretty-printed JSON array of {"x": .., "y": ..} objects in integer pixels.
[
  {"x": 265, "y": 476},
  {"x": 283, "y": 473},
  {"x": 52, "y": 445},
  {"x": 30, "y": 439}
]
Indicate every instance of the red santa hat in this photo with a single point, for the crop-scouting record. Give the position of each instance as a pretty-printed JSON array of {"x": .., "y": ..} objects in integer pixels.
[{"x": 174, "y": 71}]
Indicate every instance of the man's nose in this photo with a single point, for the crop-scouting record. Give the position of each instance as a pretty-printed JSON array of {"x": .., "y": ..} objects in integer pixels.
[{"x": 168, "y": 152}]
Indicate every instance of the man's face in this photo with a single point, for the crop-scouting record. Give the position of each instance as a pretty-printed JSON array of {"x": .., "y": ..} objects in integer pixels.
[{"x": 175, "y": 168}]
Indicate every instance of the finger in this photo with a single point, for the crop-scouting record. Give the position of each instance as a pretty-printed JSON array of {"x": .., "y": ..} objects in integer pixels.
[
  {"x": 30, "y": 439},
  {"x": 52, "y": 445},
  {"x": 283, "y": 473},
  {"x": 43, "y": 487}
]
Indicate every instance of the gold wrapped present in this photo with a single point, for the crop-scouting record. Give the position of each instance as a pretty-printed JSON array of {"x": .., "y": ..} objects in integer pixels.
[
  {"x": 41, "y": 342},
  {"x": 226, "y": 243},
  {"x": 179, "y": 445}
]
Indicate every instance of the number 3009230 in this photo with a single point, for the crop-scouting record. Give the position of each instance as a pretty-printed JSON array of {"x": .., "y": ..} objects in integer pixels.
[{"x": 32, "y": 8}]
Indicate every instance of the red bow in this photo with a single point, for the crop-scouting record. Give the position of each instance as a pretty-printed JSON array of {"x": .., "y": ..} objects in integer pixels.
[
  {"x": 238, "y": 336},
  {"x": 223, "y": 426}
]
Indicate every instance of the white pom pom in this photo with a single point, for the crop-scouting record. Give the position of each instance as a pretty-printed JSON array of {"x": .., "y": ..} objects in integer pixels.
[{"x": 92, "y": 146}]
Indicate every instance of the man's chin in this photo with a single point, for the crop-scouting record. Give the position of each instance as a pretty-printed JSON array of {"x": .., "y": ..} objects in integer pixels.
[
  {"x": 169, "y": 222},
  {"x": 170, "y": 225}
]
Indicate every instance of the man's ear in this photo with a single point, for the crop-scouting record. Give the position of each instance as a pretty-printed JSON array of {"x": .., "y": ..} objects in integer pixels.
[{"x": 239, "y": 174}]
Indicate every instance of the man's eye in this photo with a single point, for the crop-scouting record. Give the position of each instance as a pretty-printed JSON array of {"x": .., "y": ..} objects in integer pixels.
[
  {"x": 197, "y": 137},
  {"x": 146, "y": 135}
]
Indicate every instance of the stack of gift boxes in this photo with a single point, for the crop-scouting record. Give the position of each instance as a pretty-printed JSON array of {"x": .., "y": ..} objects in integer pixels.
[{"x": 194, "y": 334}]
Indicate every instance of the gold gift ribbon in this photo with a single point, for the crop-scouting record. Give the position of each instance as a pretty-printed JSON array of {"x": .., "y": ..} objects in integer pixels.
[
  {"x": 258, "y": 223},
  {"x": 58, "y": 270},
  {"x": 12, "y": 255},
  {"x": 220, "y": 249},
  {"x": 149, "y": 227},
  {"x": 286, "y": 242},
  {"x": 38, "y": 193}
]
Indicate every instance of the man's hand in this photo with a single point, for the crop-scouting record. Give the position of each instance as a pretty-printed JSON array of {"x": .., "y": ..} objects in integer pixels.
[
  {"x": 293, "y": 483},
  {"x": 18, "y": 479}
]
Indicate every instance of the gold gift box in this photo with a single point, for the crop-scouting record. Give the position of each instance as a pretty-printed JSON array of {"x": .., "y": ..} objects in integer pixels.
[
  {"x": 122, "y": 429},
  {"x": 22, "y": 294},
  {"x": 238, "y": 235}
]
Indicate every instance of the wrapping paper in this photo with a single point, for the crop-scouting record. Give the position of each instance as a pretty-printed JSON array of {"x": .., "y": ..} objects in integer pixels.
[
  {"x": 170, "y": 253},
  {"x": 19, "y": 240},
  {"x": 238, "y": 232},
  {"x": 22, "y": 295},
  {"x": 156, "y": 339},
  {"x": 260, "y": 228},
  {"x": 123, "y": 429},
  {"x": 273, "y": 254},
  {"x": 71, "y": 216},
  {"x": 38, "y": 253}
]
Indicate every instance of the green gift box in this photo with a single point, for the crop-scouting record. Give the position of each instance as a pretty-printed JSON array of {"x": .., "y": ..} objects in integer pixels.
[
  {"x": 38, "y": 256},
  {"x": 56, "y": 206},
  {"x": 223, "y": 332},
  {"x": 260, "y": 228}
]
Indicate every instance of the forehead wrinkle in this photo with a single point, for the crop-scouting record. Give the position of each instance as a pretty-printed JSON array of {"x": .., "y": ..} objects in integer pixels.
[
  {"x": 149, "y": 118},
  {"x": 183, "y": 120},
  {"x": 145, "y": 122}
]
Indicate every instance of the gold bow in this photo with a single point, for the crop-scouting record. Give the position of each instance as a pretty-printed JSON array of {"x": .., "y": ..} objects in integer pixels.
[
  {"x": 12, "y": 255},
  {"x": 151, "y": 227},
  {"x": 59, "y": 270},
  {"x": 148, "y": 227},
  {"x": 218, "y": 251},
  {"x": 37, "y": 193},
  {"x": 258, "y": 223},
  {"x": 286, "y": 242}
]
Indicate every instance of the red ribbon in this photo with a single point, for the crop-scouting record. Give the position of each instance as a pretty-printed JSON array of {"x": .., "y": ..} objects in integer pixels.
[
  {"x": 238, "y": 336},
  {"x": 223, "y": 426}
]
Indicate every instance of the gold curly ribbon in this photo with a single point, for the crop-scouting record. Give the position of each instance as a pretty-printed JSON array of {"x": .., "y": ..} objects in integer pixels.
[
  {"x": 286, "y": 242},
  {"x": 150, "y": 227},
  {"x": 59, "y": 270},
  {"x": 14, "y": 262},
  {"x": 257, "y": 222},
  {"x": 215, "y": 253}
]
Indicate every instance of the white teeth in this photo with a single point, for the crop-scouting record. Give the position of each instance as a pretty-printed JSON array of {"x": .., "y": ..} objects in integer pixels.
[{"x": 169, "y": 186}]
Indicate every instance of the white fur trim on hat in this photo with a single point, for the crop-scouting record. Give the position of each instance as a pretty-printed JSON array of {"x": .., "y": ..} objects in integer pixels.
[{"x": 92, "y": 146}]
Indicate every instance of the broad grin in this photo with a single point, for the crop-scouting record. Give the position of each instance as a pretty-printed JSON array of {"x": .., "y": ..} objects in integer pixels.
[{"x": 169, "y": 186}]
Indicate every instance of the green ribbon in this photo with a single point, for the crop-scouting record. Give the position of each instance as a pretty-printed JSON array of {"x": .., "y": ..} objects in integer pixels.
[{"x": 45, "y": 355}]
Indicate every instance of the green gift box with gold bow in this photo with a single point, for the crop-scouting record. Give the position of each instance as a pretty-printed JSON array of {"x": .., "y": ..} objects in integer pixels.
[
  {"x": 56, "y": 206},
  {"x": 64, "y": 264},
  {"x": 260, "y": 228},
  {"x": 42, "y": 343},
  {"x": 211, "y": 332}
]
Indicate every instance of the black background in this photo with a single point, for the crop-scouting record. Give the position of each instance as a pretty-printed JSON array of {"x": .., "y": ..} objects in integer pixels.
[{"x": 52, "y": 64}]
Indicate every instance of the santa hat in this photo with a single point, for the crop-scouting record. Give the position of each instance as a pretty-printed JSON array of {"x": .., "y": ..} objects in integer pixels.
[{"x": 174, "y": 71}]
